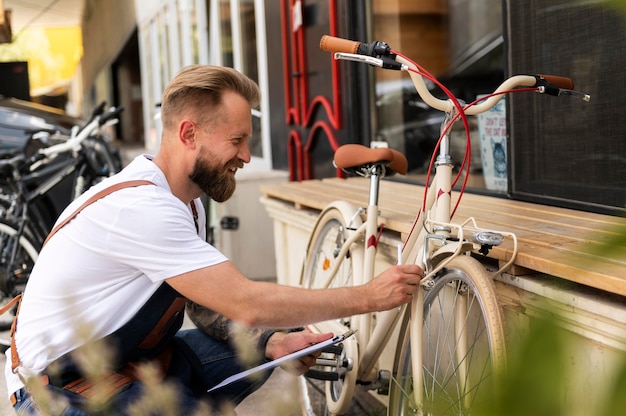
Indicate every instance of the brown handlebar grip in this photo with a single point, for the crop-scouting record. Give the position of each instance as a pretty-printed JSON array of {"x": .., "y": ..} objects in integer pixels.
[
  {"x": 333, "y": 44},
  {"x": 559, "y": 82}
]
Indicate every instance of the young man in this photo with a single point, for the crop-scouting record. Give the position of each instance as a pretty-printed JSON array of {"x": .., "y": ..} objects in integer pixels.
[{"x": 117, "y": 272}]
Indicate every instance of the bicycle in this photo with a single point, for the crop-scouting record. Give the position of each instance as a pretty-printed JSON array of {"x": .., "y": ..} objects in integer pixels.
[
  {"x": 452, "y": 345},
  {"x": 27, "y": 177}
]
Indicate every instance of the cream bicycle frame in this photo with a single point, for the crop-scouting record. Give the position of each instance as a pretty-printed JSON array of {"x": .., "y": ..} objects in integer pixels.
[
  {"x": 372, "y": 343},
  {"x": 421, "y": 246},
  {"x": 414, "y": 250}
]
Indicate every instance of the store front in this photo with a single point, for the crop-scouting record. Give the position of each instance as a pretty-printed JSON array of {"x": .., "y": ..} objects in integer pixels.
[{"x": 313, "y": 104}]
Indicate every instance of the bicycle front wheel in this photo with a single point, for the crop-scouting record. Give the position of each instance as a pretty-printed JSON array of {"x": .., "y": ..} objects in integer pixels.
[
  {"x": 17, "y": 258},
  {"x": 324, "y": 255},
  {"x": 462, "y": 348}
]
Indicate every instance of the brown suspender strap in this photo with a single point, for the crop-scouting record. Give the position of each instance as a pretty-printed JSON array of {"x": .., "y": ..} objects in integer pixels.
[
  {"x": 99, "y": 195},
  {"x": 128, "y": 184},
  {"x": 194, "y": 213},
  {"x": 15, "y": 359},
  {"x": 8, "y": 306}
]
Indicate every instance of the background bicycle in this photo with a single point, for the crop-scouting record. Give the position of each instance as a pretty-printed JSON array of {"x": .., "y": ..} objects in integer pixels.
[{"x": 38, "y": 180}]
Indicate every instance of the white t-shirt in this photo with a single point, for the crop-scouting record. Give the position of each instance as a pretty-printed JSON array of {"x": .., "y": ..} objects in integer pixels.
[{"x": 101, "y": 267}]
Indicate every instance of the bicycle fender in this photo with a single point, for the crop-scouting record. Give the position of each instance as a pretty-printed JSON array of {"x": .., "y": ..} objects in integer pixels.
[
  {"x": 449, "y": 250},
  {"x": 351, "y": 214},
  {"x": 348, "y": 211},
  {"x": 353, "y": 217}
]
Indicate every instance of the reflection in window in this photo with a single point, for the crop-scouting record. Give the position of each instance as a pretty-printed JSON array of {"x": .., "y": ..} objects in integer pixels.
[
  {"x": 194, "y": 33},
  {"x": 236, "y": 39},
  {"x": 147, "y": 57},
  {"x": 163, "y": 48},
  {"x": 255, "y": 144},
  {"x": 248, "y": 39},
  {"x": 227, "y": 34},
  {"x": 187, "y": 33},
  {"x": 459, "y": 43}
]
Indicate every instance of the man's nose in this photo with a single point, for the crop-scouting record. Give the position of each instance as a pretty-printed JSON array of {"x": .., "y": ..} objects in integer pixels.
[{"x": 244, "y": 153}]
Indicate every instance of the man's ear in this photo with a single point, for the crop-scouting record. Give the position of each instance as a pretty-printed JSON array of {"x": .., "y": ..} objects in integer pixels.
[{"x": 187, "y": 133}]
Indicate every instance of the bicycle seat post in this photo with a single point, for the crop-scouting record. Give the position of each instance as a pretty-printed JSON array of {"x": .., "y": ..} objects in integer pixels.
[
  {"x": 444, "y": 157},
  {"x": 375, "y": 173},
  {"x": 443, "y": 167}
]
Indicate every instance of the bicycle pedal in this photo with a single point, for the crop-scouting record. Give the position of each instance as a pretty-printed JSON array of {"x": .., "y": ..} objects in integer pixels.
[
  {"x": 333, "y": 349},
  {"x": 322, "y": 375}
]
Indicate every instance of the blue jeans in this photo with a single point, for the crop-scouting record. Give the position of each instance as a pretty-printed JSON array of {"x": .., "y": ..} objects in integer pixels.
[{"x": 198, "y": 363}]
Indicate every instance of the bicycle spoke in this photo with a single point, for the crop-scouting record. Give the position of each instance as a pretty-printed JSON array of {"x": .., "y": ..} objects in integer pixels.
[
  {"x": 406, "y": 392},
  {"x": 457, "y": 348}
]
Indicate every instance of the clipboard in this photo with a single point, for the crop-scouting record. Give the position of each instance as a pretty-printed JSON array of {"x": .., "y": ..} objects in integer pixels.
[{"x": 277, "y": 362}]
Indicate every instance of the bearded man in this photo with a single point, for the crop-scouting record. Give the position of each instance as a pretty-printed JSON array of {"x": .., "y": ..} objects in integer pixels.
[{"x": 129, "y": 254}]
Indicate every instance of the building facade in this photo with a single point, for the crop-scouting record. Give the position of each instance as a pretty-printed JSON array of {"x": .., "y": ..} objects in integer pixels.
[{"x": 312, "y": 104}]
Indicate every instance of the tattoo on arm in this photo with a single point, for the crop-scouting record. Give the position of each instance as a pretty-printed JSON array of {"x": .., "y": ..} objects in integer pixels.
[{"x": 215, "y": 325}]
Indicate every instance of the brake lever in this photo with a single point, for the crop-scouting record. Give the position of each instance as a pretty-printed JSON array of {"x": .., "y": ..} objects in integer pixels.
[
  {"x": 370, "y": 60},
  {"x": 576, "y": 94},
  {"x": 384, "y": 62},
  {"x": 550, "y": 89}
]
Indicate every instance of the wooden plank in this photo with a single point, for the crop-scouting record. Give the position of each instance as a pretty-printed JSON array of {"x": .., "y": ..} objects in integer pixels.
[{"x": 555, "y": 241}]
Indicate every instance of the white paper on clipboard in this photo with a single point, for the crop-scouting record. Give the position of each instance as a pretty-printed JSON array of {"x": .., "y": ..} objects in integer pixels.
[{"x": 275, "y": 363}]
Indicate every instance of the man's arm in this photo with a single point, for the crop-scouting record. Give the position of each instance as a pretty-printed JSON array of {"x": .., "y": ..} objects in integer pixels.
[
  {"x": 222, "y": 329},
  {"x": 268, "y": 343},
  {"x": 224, "y": 289}
]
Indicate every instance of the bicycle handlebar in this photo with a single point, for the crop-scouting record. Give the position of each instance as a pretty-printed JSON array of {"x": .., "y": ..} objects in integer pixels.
[
  {"x": 335, "y": 44},
  {"x": 380, "y": 54},
  {"x": 18, "y": 162},
  {"x": 97, "y": 111},
  {"x": 72, "y": 144},
  {"x": 113, "y": 113}
]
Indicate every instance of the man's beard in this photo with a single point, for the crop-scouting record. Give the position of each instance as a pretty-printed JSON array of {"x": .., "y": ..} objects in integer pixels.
[{"x": 216, "y": 182}]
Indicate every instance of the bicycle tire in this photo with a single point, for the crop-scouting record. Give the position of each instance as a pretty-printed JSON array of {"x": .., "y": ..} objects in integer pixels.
[
  {"x": 484, "y": 358},
  {"x": 329, "y": 234},
  {"x": 14, "y": 278}
]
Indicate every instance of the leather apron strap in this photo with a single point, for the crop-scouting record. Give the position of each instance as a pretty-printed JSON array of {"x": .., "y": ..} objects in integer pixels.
[{"x": 15, "y": 361}]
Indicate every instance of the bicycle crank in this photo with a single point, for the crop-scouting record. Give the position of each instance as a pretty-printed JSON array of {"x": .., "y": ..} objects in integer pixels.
[{"x": 333, "y": 363}]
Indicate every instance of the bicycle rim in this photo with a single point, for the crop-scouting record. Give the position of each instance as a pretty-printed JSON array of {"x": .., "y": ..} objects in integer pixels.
[
  {"x": 326, "y": 241},
  {"x": 15, "y": 274},
  {"x": 463, "y": 346}
]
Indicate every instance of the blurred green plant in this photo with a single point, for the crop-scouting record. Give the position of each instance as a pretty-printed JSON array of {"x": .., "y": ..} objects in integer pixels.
[
  {"x": 618, "y": 3},
  {"x": 618, "y": 241},
  {"x": 541, "y": 370},
  {"x": 616, "y": 399},
  {"x": 536, "y": 373}
]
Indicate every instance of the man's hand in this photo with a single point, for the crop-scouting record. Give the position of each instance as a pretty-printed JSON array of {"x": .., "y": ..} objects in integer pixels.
[
  {"x": 393, "y": 287},
  {"x": 281, "y": 344}
]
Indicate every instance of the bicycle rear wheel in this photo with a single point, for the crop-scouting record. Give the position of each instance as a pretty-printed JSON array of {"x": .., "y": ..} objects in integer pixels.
[
  {"x": 17, "y": 257},
  {"x": 323, "y": 254},
  {"x": 463, "y": 346}
]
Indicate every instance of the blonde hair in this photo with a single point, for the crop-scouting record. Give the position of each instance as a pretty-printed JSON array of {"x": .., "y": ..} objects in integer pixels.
[{"x": 199, "y": 88}]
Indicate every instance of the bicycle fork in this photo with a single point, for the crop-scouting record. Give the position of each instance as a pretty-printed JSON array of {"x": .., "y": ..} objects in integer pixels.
[{"x": 439, "y": 202}]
